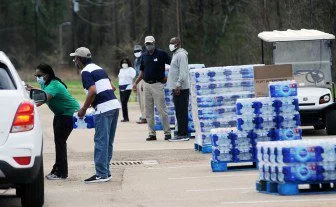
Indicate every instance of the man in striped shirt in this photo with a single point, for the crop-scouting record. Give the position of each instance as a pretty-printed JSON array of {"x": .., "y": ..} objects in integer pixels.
[{"x": 101, "y": 97}]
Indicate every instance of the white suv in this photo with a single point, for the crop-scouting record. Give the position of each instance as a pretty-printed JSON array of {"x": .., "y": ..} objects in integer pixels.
[{"x": 21, "y": 160}]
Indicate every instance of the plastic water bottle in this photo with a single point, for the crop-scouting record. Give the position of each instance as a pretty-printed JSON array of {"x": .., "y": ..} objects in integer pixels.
[
  {"x": 288, "y": 134},
  {"x": 283, "y": 88}
]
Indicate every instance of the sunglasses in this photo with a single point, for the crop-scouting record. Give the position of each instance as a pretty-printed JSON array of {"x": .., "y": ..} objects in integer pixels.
[{"x": 38, "y": 76}]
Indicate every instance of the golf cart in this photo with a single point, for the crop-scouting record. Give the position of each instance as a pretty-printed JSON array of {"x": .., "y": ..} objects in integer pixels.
[{"x": 309, "y": 52}]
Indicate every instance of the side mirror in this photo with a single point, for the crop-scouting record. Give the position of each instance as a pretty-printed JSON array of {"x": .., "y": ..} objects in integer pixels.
[{"x": 38, "y": 96}]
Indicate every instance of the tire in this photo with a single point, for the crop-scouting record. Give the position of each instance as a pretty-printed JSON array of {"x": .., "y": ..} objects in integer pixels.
[
  {"x": 32, "y": 194},
  {"x": 319, "y": 126},
  {"x": 331, "y": 122},
  {"x": 18, "y": 191}
]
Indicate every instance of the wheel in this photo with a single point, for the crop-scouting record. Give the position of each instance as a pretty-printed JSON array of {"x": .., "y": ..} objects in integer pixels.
[
  {"x": 18, "y": 191},
  {"x": 331, "y": 122},
  {"x": 32, "y": 194},
  {"x": 319, "y": 126}
]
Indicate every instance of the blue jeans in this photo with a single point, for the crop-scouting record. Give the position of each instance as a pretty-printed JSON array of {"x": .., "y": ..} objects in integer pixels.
[{"x": 105, "y": 127}]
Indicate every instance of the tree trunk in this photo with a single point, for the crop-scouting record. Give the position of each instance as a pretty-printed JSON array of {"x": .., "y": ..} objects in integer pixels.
[
  {"x": 149, "y": 16},
  {"x": 278, "y": 12},
  {"x": 132, "y": 19}
]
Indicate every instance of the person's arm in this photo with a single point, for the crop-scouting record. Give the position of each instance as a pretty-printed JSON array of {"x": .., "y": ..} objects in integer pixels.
[
  {"x": 140, "y": 76},
  {"x": 183, "y": 69},
  {"x": 88, "y": 84},
  {"x": 138, "y": 80},
  {"x": 51, "y": 91}
]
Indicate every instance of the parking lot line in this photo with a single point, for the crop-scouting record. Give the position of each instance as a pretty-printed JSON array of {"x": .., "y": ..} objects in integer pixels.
[
  {"x": 213, "y": 176},
  {"x": 218, "y": 189},
  {"x": 279, "y": 201},
  {"x": 178, "y": 167}
]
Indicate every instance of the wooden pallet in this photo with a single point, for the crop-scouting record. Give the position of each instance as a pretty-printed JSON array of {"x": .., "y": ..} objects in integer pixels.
[
  {"x": 294, "y": 188},
  {"x": 204, "y": 149},
  {"x": 225, "y": 166}
]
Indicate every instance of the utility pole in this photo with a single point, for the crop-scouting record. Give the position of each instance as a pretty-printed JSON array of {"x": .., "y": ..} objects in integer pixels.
[
  {"x": 60, "y": 30},
  {"x": 36, "y": 27},
  {"x": 75, "y": 9},
  {"x": 149, "y": 30},
  {"x": 178, "y": 20}
]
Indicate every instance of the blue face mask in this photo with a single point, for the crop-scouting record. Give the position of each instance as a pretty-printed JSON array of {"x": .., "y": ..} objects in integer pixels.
[{"x": 40, "y": 80}]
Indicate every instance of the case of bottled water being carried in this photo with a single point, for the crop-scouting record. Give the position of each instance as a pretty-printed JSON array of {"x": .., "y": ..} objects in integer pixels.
[
  {"x": 87, "y": 122},
  {"x": 214, "y": 92},
  {"x": 297, "y": 161}
]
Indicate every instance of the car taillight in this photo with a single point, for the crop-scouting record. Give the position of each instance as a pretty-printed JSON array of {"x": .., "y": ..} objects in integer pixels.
[
  {"x": 22, "y": 160},
  {"x": 24, "y": 118}
]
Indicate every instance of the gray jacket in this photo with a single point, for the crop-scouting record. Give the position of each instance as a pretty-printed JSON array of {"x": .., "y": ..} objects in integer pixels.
[{"x": 178, "y": 75}]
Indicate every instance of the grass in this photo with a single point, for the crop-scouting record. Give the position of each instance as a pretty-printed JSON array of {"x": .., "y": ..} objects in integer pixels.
[{"x": 75, "y": 88}]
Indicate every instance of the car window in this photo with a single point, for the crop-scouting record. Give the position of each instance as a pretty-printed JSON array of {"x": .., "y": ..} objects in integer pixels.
[{"x": 6, "y": 82}]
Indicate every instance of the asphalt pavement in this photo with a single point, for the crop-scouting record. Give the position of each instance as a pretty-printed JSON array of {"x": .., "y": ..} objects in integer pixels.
[{"x": 159, "y": 173}]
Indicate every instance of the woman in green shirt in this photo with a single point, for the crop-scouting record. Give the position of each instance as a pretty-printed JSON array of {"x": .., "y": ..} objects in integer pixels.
[{"x": 63, "y": 105}]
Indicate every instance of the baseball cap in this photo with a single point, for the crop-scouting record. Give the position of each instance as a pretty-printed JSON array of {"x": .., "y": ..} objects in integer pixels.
[
  {"x": 149, "y": 39},
  {"x": 81, "y": 52},
  {"x": 137, "y": 48}
]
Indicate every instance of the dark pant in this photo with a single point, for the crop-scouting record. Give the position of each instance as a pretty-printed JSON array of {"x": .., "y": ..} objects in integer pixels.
[
  {"x": 124, "y": 97},
  {"x": 62, "y": 128},
  {"x": 181, "y": 108}
]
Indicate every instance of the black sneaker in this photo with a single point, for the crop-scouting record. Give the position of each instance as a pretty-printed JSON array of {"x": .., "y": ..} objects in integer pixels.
[
  {"x": 151, "y": 138},
  {"x": 125, "y": 120},
  {"x": 167, "y": 136},
  {"x": 179, "y": 139},
  {"x": 54, "y": 176},
  {"x": 96, "y": 179}
]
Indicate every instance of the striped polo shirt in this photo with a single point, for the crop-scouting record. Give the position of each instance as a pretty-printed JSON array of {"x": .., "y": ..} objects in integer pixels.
[{"x": 105, "y": 99}]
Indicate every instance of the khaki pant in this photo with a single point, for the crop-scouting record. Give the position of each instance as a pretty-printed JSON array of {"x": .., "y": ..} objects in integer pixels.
[
  {"x": 141, "y": 98},
  {"x": 154, "y": 95}
]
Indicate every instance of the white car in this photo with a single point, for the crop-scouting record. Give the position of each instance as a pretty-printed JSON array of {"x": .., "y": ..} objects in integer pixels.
[{"x": 21, "y": 160}]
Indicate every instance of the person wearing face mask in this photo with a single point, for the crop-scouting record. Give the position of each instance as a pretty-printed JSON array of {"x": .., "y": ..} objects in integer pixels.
[
  {"x": 152, "y": 71},
  {"x": 101, "y": 97},
  {"x": 126, "y": 76},
  {"x": 140, "y": 93},
  {"x": 178, "y": 81},
  {"x": 63, "y": 105}
]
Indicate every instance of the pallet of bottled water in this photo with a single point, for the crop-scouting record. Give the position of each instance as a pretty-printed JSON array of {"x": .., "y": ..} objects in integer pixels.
[
  {"x": 214, "y": 92},
  {"x": 87, "y": 122},
  {"x": 258, "y": 119},
  {"x": 285, "y": 165}
]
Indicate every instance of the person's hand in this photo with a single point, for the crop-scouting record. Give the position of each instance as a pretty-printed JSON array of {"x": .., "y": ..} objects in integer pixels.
[
  {"x": 134, "y": 87},
  {"x": 29, "y": 87},
  {"x": 81, "y": 113},
  {"x": 177, "y": 91},
  {"x": 164, "y": 80}
]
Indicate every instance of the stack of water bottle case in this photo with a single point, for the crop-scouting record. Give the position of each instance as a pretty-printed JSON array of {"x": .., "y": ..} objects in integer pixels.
[
  {"x": 170, "y": 104},
  {"x": 214, "y": 92},
  {"x": 258, "y": 119}
]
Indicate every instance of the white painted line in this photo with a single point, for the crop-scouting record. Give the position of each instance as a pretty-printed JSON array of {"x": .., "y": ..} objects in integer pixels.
[
  {"x": 218, "y": 189},
  {"x": 280, "y": 201},
  {"x": 214, "y": 176},
  {"x": 177, "y": 167}
]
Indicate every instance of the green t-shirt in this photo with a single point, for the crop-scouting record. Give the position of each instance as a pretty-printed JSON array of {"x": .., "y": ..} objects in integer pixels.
[{"x": 61, "y": 103}]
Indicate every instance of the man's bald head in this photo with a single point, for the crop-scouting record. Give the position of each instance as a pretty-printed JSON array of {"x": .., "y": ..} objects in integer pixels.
[{"x": 175, "y": 41}]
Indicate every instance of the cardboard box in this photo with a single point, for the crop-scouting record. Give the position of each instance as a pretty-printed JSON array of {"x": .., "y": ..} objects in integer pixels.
[{"x": 270, "y": 73}]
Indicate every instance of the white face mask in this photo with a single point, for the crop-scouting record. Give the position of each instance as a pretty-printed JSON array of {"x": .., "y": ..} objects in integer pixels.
[
  {"x": 172, "y": 47},
  {"x": 124, "y": 65},
  {"x": 137, "y": 54}
]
